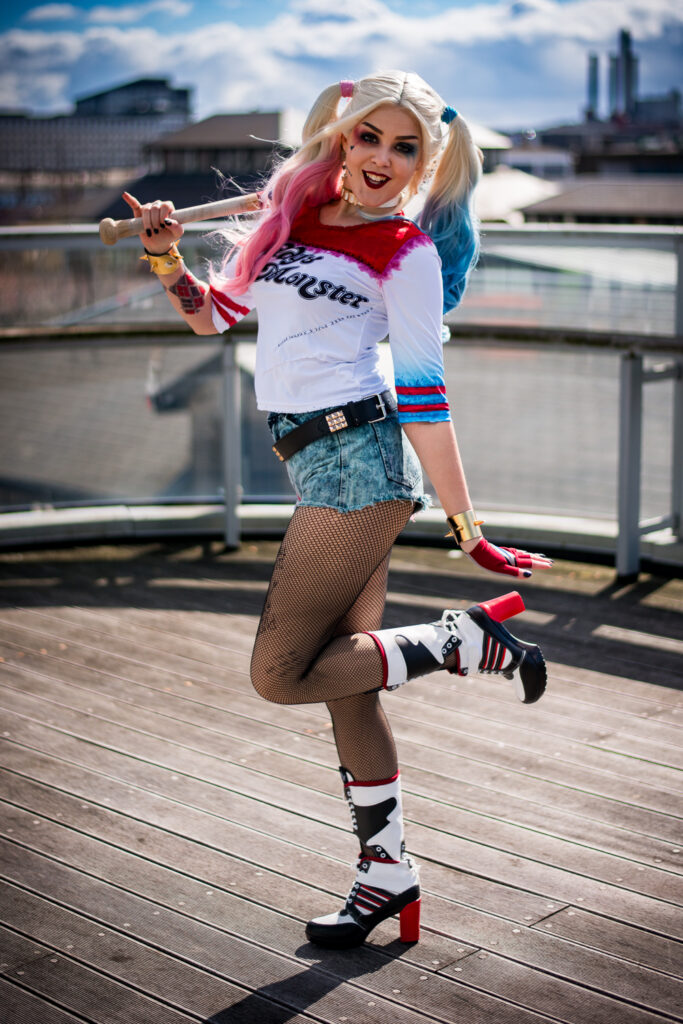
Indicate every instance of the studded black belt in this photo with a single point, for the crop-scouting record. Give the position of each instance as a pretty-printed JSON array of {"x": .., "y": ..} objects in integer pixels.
[{"x": 353, "y": 414}]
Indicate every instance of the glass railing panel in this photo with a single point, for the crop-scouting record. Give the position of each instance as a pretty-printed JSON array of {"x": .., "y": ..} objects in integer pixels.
[
  {"x": 109, "y": 423},
  {"x": 585, "y": 288},
  {"x": 106, "y": 423},
  {"x": 588, "y": 287}
]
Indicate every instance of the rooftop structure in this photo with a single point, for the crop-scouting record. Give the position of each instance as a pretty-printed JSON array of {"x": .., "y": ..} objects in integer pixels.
[
  {"x": 140, "y": 98},
  {"x": 234, "y": 143},
  {"x": 597, "y": 200},
  {"x": 108, "y": 130}
]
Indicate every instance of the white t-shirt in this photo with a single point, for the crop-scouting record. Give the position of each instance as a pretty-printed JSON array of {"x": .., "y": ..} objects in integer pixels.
[{"x": 327, "y": 298}]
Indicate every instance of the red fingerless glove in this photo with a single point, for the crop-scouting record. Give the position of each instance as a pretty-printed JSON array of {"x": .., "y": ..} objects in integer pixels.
[{"x": 508, "y": 561}]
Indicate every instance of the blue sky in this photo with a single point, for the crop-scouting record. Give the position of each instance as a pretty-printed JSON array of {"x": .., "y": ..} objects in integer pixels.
[{"x": 505, "y": 63}]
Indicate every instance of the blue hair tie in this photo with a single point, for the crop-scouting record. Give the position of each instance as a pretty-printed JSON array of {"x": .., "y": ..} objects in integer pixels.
[{"x": 448, "y": 114}]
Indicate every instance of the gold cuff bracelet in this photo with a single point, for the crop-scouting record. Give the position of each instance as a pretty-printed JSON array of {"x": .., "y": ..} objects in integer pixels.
[
  {"x": 165, "y": 262},
  {"x": 464, "y": 526}
]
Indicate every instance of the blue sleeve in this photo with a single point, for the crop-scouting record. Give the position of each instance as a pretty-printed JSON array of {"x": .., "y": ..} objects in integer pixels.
[{"x": 413, "y": 296}]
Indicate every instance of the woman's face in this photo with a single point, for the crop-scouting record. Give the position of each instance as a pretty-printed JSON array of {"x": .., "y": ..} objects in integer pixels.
[{"x": 383, "y": 153}]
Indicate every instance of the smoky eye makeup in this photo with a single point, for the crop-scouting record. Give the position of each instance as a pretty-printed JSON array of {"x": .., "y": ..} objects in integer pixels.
[{"x": 368, "y": 137}]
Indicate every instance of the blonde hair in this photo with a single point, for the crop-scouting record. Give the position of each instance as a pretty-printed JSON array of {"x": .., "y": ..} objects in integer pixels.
[{"x": 449, "y": 162}]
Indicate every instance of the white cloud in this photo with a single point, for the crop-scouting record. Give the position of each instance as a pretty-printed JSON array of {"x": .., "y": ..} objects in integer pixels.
[
  {"x": 133, "y": 13},
  {"x": 503, "y": 64},
  {"x": 52, "y": 12}
]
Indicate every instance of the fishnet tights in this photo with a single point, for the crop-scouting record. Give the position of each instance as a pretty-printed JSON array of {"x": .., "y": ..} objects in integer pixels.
[{"x": 328, "y": 585}]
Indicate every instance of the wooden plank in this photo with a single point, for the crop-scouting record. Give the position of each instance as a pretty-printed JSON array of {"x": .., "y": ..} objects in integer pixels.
[
  {"x": 569, "y": 642},
  {"x": 204, "y": 708},
  {"x": 615, "y": 840},
  {"x": 240, "y": 720},
  {"x": 543, "y": 992},
  {"x": 490, "y": 718},
  {"x": 560, "y": 764},
  {"x": 221, "y": 874},
  {"x": 302, "y": 832},
  {"x": 608, "y": 974},
  {"x": 158, "y": 728},
  {"x": 260, "y": 879},
  {"x": 461, "y": 801},
  {"x": 209, "y": 645},
  {"x": 184, "y": 985},
  {"x": 22, "y": 1007},
  {"x": 123, "y": 910},
  {"x": 439, "y": 690},
  {"x": 498, "y": 719},
  {"x": 614, "y": 698},
  {"x": 168, "y": 979},
  {"x": 622, "y": 940},
  {"x": 150, "y": 971},
  {"x": 212, "y": 653},
  {"x": 108, "y": 638},
  {"x": 205, "y": 842},
  {"x": 27, "y": 870},
  {"x": 557, "y": 715},
  {"x": 576, "y": 756},
  {"x": 35, "y": 633},
  {"x": 508, "y": 836},
  {"x": 607, "y": 610},
  {"x": 80, "y": 990},
  {"x": 278, "y": 954}
]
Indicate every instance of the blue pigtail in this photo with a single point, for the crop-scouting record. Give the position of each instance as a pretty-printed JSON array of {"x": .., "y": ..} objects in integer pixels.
[
  {"x": 448, "y": 216},
  {"x": 454, "y": 231}
]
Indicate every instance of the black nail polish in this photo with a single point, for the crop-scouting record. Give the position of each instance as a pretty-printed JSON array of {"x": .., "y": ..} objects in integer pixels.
[
  {"x": 167, "y": 221},
  {"x": 527, "y": 574},
  {"x": 156, "y": 231},
  {"x": 149, "y": 233}
]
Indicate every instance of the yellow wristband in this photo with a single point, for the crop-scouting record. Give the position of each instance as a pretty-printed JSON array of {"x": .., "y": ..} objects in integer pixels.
[
  {"x": 464, "y": 526},
  {"x": 165, "y": 263}
]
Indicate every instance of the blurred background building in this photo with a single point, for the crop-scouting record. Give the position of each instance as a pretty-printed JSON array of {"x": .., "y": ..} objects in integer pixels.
[
  {"x": 58, "y": 168},
  {"x": 623, "y": 163}
]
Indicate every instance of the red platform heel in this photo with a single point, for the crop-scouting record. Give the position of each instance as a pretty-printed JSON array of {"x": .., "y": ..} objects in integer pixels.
[{"x": 410, "y": 922}]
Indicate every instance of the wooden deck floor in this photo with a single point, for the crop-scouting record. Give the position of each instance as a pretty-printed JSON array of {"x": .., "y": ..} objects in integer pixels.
[{"x": 165, "y": 832}]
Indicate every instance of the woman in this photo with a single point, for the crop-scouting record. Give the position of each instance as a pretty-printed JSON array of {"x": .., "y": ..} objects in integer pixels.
[{"x": 332, "y": 266}]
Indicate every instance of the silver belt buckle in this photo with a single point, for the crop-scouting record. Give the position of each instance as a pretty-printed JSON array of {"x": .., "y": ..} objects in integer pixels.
[{"x": 383, "y": 409}]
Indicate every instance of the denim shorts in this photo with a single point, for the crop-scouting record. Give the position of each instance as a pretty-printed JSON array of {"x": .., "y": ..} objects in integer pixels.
[{"x": 352, "y": 468}]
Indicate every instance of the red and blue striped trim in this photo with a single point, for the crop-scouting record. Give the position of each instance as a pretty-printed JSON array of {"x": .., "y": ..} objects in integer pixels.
[
  {"x": 426, "y": 402},
  {"x": 423, "y": 408},
  {"x": 435, "y": 389}
]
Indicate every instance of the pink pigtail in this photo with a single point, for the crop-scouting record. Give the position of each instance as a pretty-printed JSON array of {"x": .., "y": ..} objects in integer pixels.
[{"x": 315, "y": 184}]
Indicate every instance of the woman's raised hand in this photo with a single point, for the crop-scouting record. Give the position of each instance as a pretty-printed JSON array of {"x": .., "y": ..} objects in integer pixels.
[{"x": 160, "y": 230}]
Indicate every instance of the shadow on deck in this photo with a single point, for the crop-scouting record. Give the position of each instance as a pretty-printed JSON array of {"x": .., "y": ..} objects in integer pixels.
[{"x": 165, "y": 832}]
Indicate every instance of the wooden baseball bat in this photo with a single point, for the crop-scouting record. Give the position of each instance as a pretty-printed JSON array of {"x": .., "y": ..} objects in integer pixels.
[{"x": 112, "y": 230}]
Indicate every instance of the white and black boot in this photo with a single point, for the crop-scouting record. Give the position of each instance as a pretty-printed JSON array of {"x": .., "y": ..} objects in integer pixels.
[
  {"x": 387, "y": 880},
  {"x": 478, "y": 642}
]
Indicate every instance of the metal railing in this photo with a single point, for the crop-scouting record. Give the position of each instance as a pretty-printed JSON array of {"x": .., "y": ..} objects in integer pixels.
[{"x": 647, "y": 356}]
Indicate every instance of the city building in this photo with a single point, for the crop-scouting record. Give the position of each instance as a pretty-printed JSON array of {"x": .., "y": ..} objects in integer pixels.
[
  {"x": 598, "y": 200},
  {"x": 108, "y": 130},
  {"x": 639, "y": 134},
  {"x": 212, "y": 159},
  {"x": 551, "y": 163},
  {"x": 50, "y": 166}
]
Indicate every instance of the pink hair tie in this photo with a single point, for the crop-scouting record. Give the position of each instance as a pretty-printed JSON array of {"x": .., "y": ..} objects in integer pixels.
[{"x": 346, "y": 87}]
